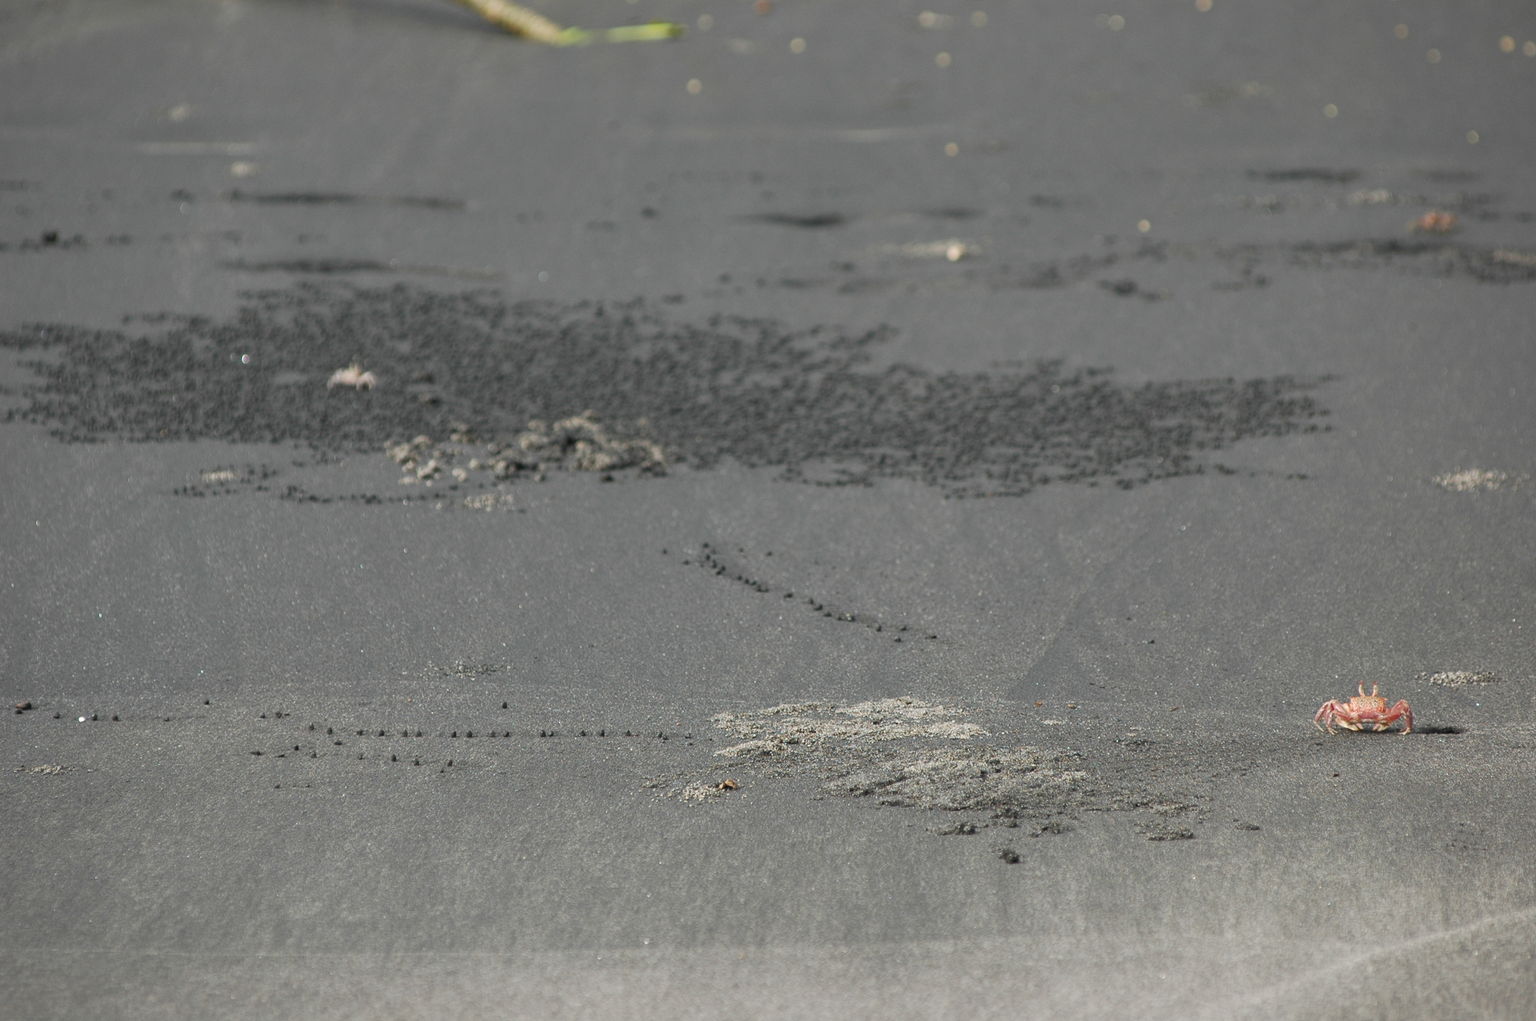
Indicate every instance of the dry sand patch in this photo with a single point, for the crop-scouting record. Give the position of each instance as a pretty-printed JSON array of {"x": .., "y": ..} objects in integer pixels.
[{"x": 906, "y": 752}]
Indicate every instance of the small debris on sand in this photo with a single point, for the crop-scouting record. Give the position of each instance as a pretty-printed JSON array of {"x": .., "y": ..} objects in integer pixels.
[
  {"x": 1459, "y": 678},
  {"x": 771, "y": 731},
  {"x": 949, "y": 249},
  {"x": 578, "y": 443},
  {"x": 1436, "y": 221},
  {"x": 1514, "y": 258},
  {"x": 703, "y": 790},
  {"x": 490, "y": 501},
  {"x": 955, "y": 829},
  {"x": 1470, "y": 480},
  {"x": 1169, "y": 833}
]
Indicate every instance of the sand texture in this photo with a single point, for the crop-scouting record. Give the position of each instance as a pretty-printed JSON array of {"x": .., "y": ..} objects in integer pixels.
[{"x": 850, "y": 512}]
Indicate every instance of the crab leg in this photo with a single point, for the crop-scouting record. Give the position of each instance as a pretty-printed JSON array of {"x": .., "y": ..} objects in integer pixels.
[{"x": 1325, "y": 716}]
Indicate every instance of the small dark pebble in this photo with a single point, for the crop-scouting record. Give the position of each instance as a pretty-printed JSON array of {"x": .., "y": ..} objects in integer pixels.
[{"x": 1009, "y": 855}]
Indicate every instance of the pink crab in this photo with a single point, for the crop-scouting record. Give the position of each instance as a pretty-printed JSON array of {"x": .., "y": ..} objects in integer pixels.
[{"x": 1364, "y": 712}]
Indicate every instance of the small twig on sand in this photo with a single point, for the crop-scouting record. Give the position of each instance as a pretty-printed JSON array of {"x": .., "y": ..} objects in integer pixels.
[{"x": 532, "y": 25}]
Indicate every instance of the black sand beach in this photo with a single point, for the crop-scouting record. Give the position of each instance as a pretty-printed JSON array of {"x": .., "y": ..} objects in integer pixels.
[{"x": 851, "y": 512}]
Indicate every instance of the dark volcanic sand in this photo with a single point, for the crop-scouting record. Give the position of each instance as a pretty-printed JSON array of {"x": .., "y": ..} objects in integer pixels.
[
  {"x": 634, "y": 646},
  {"x": 748, "y": 390}
]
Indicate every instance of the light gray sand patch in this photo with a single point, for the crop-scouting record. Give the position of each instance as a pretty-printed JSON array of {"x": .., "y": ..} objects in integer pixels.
[
  {"x": 771, "y": 731},
  {"x": 1020, "y": 781},
  {"x": 906, "y": 752}
]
